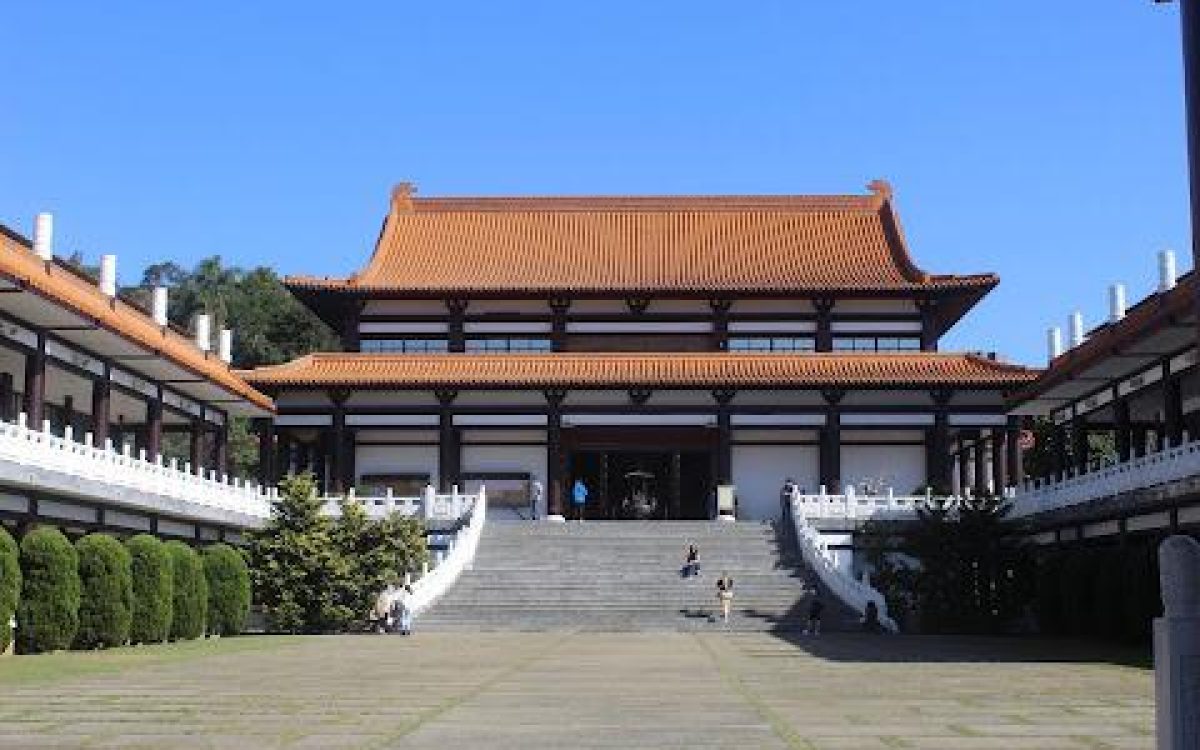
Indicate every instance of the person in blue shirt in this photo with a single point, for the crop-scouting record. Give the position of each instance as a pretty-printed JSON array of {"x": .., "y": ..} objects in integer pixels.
[{"x": 579, "y": 494}]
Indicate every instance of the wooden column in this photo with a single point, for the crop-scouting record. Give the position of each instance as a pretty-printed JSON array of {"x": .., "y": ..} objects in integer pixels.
[
  {"x": 824, "y": 336},
  {"x": 449, "y": 451},
  {"x": 720, "y": 323},
  {"x": 555, "y": 458},
  {"x": 999, "y": 474},
  {"x": 1122, "y": 431},
  {"x": 196, "y": 445},
  {"x": 456, "y": 326},
  {"x": 351, "y": 320},
  {"x": 6, "y": 396},
  {"x": 101, "y": 406},
  {"x": 35, "y": 383},
  {"x": 723, "y": 398},
  {"x": 154, "y": 426},
  {"x": 282, "y": 465},
  {"x": 1012, "y": 452},
  {"x": 963, "y": 457},
  {"x": 220, "y": 447},
  {"x": 979, "y": 461},
  {"x": 339, "y": 479},
  {"x": 830, "y": 460},
  {"x": 267, "y": 475},
  {"x": 1079, "y": 444},
  {"x": 559, "y": 306},
  {"x": 1172, "y": 410},
  {"x": 938, "y": 473},
  {"x": 929, "y": 335}
]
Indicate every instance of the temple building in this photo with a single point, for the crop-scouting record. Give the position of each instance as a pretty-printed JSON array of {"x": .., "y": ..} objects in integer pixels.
[{"x": 653, "y": 347}]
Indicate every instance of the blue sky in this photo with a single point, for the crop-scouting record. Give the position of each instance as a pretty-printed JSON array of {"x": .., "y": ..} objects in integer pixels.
[{"x": 1040, "y": 140}]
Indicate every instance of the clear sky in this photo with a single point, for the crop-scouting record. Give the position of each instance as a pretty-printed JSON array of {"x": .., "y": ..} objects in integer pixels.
[{"x": 1040, "y": 140}]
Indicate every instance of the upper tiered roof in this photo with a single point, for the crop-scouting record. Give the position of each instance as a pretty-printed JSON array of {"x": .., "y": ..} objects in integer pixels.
[{"x": 666, "y": 246}]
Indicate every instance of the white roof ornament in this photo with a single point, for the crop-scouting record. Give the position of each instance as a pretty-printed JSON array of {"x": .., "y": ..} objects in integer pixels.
[
  {"x": 108, "y": 275},
  {"x": 204, "y": 332},
  {"x": 43, "y": 236}
]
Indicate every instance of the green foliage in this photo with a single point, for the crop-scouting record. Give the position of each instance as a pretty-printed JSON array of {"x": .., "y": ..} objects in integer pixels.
[
  {"x": 48, "y": 613},
  {"x": 153, "y": 589},
  {"x": 1039, "y": 461},
  {"x": 969, "y": 576},
  {"x": 10, "y": 585},
  {"x": 106, "y": 607},
  {"x": 315, "y": 575},
  {"x": 228, "y": 589},
  {"x": 189, "y": 605}
]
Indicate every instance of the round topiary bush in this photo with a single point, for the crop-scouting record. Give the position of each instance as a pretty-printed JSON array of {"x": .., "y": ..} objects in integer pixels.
[
  {"x": 153, "y": 589},
  {"x": 228, "y": 589},
  {"x": 106, "y": 610},
  {"x": 48, "y": 614},
  {"x": 190, "y": 599},
  {"x": 10, "y": 586}
]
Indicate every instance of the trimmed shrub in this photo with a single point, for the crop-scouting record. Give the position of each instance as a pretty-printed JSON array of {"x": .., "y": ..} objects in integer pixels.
[
  {"x": 228, "y": 589},
  {"x": 106, "y": 610},
  {"x": 190, "y": 592},
  {"x": 48, "y": 614},
  {"x": 153, "y": 589},
  {"x": 10, "y": 585}
]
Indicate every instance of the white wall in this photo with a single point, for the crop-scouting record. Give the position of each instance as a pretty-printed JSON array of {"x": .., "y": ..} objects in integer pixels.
[
  {"x": 899, "y": 466},
  {"x": 397, "y": 459},
  {"x": 759, "y": 472}
]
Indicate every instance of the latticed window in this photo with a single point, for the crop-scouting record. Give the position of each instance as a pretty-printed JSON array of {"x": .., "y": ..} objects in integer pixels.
[
  {"x": 876, "y": 344},
  {"x": 404, "y": 346},
  {"x": 772, "y": 344},
  {"x": 509, "y": 345}
]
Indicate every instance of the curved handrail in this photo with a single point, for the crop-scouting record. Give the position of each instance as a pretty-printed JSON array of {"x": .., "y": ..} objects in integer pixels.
[
  {"x": 854, "y": 593},
  {"x": 434, "y": 584}
]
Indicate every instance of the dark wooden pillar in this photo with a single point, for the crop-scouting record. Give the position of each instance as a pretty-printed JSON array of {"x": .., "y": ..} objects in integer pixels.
[
  {"x": 1140, "y": 435},
  {"x": 1012, "y": 452},
  {"x": 723, "y": 398},
  {"x": 559, "y": 306},
  {"x": 1122, "y": 432},
  {"x": 555, "y": 458},
  {"x": 824, "y": 336},
  {"x": 720, "y": 324},
  {"x": 154, "y": 426},
  {"x": 196, "y": 444},
  {"x": 339, "y": 479},
  {"x": 1172, "y": 390},
  {"x": 351, "y": 321},
  {"x": 999, "y": 474},
  {"x": 267, "y": 475},
  {"x": 937, "y": 445},
  {"x": 1079, "y": 444},
  {"x": 101, "y": 409},
  {"x": 830, "y": 459},
  {"x": 963, "y": 456},
  {"x": 1061, "y": 440},
  {"x": 929, "y": 333},
  {"x": 284, "y": 446},
  {"x": 220, "y": 447},
  {"x": 456, "y": 326},
  {"x": 979, "y": 459},
  {"x": 6, "y": 396},
  {"x": 35, "y": 383},
  {"x": 449, "y": 451}
]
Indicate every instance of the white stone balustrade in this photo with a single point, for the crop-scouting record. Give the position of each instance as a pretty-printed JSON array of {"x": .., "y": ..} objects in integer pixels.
[
  {"x": 855, "y": 593},
  {"x": 1161, "y": 467},
  {"x": 852, "y": 506},
  {"x": 428, "y": 506},
  {"x": 39, "y": 460}
]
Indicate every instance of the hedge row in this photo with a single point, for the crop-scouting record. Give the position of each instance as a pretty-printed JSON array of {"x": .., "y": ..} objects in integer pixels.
[
  {"x": 100, "y": 593},
  {"x": 1107, "y": 592}
]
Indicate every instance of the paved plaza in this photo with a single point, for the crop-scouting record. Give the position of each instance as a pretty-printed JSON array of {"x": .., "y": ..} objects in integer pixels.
[{"x": 581, "y": 690}]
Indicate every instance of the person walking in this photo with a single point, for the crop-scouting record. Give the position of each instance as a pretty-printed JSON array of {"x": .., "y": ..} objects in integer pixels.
[
  {"x": 381, "y": 613},
  {"x": 691, "y": 562},
  {"x": 579, "y": 495},
  {"x": 814, "y": 616},
  {"x": 725, "y": 595},
  {"x": 403, "y": 610}
]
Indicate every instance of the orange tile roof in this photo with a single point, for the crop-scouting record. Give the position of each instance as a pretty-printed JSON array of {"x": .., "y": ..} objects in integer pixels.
[
  {"x": 683, "y": 244},
  {"x": 619, "y": 370},
  {"x": 84, "y": 298}
]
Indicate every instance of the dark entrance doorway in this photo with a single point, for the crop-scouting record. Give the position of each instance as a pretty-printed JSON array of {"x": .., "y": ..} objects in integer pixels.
[{"x": 643, "y": 474}]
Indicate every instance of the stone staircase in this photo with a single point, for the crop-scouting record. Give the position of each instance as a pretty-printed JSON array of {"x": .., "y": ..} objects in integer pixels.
[{"x": 624, "y": 576}]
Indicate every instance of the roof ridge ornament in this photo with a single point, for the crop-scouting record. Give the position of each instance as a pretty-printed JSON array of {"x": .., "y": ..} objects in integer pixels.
[
  {"x": 402, "y": 197},
  {"x": 881, "y": 189}
]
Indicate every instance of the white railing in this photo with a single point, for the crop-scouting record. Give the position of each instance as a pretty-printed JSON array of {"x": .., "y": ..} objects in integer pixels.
[
  {"x": 855, "y": 507},
  {"x": 1169, "y": 465},
  {"x": 428, "y": 506},
  {"x": 856, "y": 594},
  {"x": 43, "y": 461}
]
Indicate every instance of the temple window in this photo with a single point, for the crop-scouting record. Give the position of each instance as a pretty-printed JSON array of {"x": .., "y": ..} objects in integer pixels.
[
  {"x": 876, "y": 344},
  {"x": 404, "y": 346},
  {"x": 773, "y": 344},
  {"x": 509, "y": 345}
]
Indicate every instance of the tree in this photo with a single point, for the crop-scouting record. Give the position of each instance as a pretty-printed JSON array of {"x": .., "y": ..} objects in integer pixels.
[
  {"x": 48, "y": 614},
  {"x": 228, "y": 589},
  {"x": 299, "y": 575},
  {"x": 189, "y": 605},
  {"x": 106, "y": 606},
  {"x": 153, "y": 589},
  {"x": 10, "y": 586},
  {"x": 378, "y": 553}
]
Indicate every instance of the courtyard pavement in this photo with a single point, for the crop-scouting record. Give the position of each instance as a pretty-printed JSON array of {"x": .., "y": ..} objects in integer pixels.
[{"x": 581, "y": 690}]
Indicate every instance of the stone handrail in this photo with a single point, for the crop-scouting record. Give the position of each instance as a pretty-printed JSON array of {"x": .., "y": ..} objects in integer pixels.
[
  {"x": 856, "y": 594},
  {"x": 44, "y": 461},
  {"x": 428, "y": 506},
  {"x": 434, "y": 583},
  {"x": 856, "y": 507},
  {"x": 1160, "y": 467}
]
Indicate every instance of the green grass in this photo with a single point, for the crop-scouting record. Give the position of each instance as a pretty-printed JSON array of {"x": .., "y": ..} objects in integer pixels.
[{"x": 66, "y": 665}]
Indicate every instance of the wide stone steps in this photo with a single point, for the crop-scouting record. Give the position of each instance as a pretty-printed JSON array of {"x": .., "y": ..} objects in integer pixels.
[{"x": 623, "y": 576}]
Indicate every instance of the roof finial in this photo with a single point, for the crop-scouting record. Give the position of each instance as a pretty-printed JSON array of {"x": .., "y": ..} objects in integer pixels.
[
  {"x": 402, "y": 197},
  {"x": 882, "y": 189}
]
